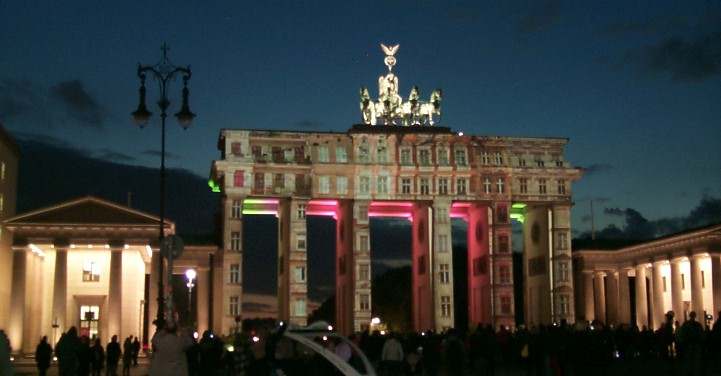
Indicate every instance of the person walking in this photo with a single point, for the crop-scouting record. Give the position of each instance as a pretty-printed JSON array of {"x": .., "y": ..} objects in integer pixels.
[
  {"x": 127, "y": 356},
  {"x": 67, "y": 351},
  {"x": 113, "y": 354},
  {"x": 169, "y": 353},
  {"x": 85, "y": 358},
  {"x": 97, "y": 357},
  {"x": 690, "y": 341},
  {"x": 43, "y": 355},
  {"x": 392, "y": 356},
  {"x": 136, "y": 351}
]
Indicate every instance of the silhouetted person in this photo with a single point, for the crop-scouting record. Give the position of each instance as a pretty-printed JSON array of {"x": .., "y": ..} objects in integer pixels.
[
  {"x": 97, "y": 358},
  {"x": 136, "y": 351},
  {"x": 113, "y": 353},
  {"x": 67, "y": 351},
  {"x": 5, "y": 367},
  {"x": 715, "y": 345},
  {"x": 43, "y": 356},
  {"x": 241, "y": 358},
  {"x": 455, "y": 353},
  {"x": 127, "y": 356},
  {"x": 690, "y": 341},
  {"x": 84, "y": 357},
  {"x": 211, "y": 353},
  {"x": 666, "y": 336}
]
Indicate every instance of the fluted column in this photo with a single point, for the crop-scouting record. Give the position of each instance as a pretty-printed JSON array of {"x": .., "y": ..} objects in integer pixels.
[
  {"x": 657, "y": 284},
  {"x": 612, "y": 297},
  {"x": 676, "y": 291},
  {"x": 115, "y": 292},
  {"x": 60, "y": 290},
  {"x": 17, "y": 298},
  {"x": 641, "y": 296},
  {"x": 600, "y": 296},
  {"x": 716, "y": 284},
  {"x": 588, "y": 306},
  {"x": 696, "y": 289},
  {"x": 624, "y": 298}
]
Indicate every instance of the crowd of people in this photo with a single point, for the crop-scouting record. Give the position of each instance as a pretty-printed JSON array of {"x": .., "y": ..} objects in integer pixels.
[
  {"x": 688, "y": 348},
  {"x": 79, "y": 355}
]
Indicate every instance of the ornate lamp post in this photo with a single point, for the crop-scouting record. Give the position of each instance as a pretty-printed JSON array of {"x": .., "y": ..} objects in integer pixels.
[
  {"x": 190, "y": 276},
  {"x": 163, "y": 72}
]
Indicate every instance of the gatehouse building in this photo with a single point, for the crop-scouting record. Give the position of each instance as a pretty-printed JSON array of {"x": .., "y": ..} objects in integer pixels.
[{"x": 638, "y": 284}]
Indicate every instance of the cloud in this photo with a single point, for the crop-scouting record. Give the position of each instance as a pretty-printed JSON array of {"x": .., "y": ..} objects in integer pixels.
[
  {"x": 79, "y": 103},
  {"x": 52, "y": 141},
  {"x": 683, "y": 59},
  {"x": 393, "y": 263},
  {"x": 156, "y": 153},
  {"x": 18, "y": 97},
  {"x": 597, "y": 168},
  {"x": 35, "y": 106},
  {"x": 542, "y": 16},
  {"x": 113, "y": 156},
  {"x": 45, "y": 139}
]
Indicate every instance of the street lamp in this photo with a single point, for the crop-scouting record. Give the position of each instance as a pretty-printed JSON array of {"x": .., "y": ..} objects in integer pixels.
[
  {"x": 190, "y": 275},
  {"x": 163, "y": 72}
]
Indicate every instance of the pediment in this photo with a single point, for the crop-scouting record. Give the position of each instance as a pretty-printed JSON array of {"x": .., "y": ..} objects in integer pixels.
[{"x": 86, "y": 211}]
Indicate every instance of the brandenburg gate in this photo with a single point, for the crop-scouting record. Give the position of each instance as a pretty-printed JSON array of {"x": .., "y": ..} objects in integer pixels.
[{"x": 401, "y": 162}]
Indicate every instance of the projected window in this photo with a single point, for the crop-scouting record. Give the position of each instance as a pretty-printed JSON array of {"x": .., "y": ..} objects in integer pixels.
[{"x": 91, "y": 271}]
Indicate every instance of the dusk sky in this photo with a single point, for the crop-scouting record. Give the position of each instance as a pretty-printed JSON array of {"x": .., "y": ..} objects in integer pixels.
[{"x": 635, "y": 86}]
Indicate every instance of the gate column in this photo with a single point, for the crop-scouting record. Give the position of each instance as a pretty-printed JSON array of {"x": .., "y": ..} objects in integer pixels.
[
  {"x": 422, "y": 237},
  {"x": 479, "y": 289},
  {"x": 292, "y": 262},
  {"x": 353, "y": 285},
  {"x": 442, "y": 266}
]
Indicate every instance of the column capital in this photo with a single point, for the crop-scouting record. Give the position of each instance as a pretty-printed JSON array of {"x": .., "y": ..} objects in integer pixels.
[
  {"x": 699, "y": 254},
  {"x": 678, "y": 259},
  {"x": 660, "y": 261}
]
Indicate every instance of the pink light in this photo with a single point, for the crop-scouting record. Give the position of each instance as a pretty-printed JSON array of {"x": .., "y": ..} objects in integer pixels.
[
  {"x": 325, "y": 213},
  {"x": 391, "y": 203},
  {"x": 461, "y": 205},
  {"x": 390, "y": 214},
  {"x": 323, "y": 202}
]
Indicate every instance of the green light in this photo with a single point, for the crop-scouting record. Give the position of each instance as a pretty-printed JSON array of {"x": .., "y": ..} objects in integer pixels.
[
  {"x": 214, "y": 187},
  {"x": 252, "y": 201},
  {"x": 266, "y": 212},
  {"x": 518, "y": 211},
  {"x": 519, "y": 217}
]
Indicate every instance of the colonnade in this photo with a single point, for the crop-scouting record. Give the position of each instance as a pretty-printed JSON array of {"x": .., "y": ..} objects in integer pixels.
[
  {"x": 490, "y": 266},
  {"x": 679, "y": 283}
]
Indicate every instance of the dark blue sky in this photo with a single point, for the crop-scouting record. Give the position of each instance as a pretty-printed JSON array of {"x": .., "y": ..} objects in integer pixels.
[{"x": 634, "y": 85}]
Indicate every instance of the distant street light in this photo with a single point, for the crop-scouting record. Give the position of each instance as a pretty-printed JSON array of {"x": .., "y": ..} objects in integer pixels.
[
  {"x": 163, "y": 72},
  {"x": 190, "y": 274}
]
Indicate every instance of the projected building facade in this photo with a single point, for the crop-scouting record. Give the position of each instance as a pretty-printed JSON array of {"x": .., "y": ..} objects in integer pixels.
[{"x": 400, "y": 163}]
